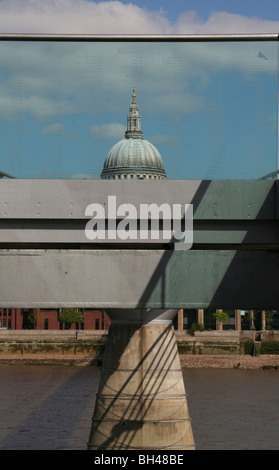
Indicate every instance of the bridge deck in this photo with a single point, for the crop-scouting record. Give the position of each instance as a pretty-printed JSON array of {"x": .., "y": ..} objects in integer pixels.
[{"x": 47, "y": 261}]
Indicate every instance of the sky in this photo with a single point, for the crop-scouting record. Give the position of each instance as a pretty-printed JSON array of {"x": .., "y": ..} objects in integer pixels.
[
  {"x": 210, "y": 108},
  {"x": 140, "y": 17}
]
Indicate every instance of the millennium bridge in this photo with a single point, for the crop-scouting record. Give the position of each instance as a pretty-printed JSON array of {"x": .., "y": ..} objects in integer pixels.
[{"x": 231, "y": 260}]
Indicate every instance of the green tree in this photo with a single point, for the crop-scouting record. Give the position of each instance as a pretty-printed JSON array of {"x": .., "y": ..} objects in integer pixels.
[
  {"x": 220, "y": 317},
  {"x": 68, "y": 316},
  {"x": 196, "y": 327}
]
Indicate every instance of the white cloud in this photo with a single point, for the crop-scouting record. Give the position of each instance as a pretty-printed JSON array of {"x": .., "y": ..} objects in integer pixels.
[
  {"x": 224, "y": 23},
  {"x": 50, "y": 79},
  {"x": 56, "y": 128},
  {"x": 78, "y": 17},
  {"x": 40, "y": 107},
  {"x": 114, "y": 17},
  {"x": 112, "y": 130},
  {"x": 177, "y": 103}
]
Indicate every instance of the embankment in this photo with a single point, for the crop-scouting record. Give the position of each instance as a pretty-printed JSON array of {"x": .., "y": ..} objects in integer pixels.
[{"x": 226, "y": 349}]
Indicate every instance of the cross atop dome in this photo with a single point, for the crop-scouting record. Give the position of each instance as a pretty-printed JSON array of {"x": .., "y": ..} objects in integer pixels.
[{"x": 134, "y": 96}]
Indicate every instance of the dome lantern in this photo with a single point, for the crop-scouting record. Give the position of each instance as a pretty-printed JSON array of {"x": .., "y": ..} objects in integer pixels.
[{"x": 134, "y": 121}]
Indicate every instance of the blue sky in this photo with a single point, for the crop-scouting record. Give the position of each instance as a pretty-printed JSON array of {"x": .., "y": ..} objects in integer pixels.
[
  {"x": 210, "y": 108},
  {"x": 262, "y": 9}
]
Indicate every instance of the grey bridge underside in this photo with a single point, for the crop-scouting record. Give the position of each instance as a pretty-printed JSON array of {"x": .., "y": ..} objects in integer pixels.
[{"x": 47, "y": 261}]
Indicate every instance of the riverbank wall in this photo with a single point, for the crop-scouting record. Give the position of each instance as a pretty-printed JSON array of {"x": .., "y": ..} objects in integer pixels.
[
  {"x": 238, "y": 349},
  {"x": 50, "y": 345}
]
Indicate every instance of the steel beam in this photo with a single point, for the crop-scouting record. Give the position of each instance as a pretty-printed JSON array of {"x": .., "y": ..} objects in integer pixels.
[
  {"x": 67, "y": 199},
  {"x": 48, "y": 212},
  {"x": 139, "y": 279},
  {"x": 44, "y": 251}
]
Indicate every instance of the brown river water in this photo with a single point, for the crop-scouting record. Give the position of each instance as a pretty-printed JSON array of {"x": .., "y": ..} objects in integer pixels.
[{"x": 50, "y": 407}]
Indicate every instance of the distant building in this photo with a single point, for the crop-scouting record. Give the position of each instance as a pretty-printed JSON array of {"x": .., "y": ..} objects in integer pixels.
[
  {"x": 133, "y": 157},
  {"x": 48, "y": 319}
]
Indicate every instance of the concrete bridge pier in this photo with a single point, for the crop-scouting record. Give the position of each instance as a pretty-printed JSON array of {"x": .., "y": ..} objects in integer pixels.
[{"x": 141, "y": 402}]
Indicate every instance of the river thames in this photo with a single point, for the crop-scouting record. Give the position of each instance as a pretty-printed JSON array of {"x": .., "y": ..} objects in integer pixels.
[{"x": 50, "y": 407}]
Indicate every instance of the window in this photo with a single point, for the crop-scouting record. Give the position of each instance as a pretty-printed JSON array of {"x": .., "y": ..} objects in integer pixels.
[{"x": 97, "y": 324}]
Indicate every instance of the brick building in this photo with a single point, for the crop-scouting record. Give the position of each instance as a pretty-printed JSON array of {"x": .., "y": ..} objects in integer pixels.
[{"x": 48, "y": 319}]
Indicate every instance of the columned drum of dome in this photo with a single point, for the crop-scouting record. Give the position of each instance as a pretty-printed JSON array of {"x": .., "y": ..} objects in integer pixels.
[{"x": 133, "y": 157}]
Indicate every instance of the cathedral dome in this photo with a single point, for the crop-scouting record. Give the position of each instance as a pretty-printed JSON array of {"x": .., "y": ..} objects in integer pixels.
[{"x": 133, "y": 157}]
